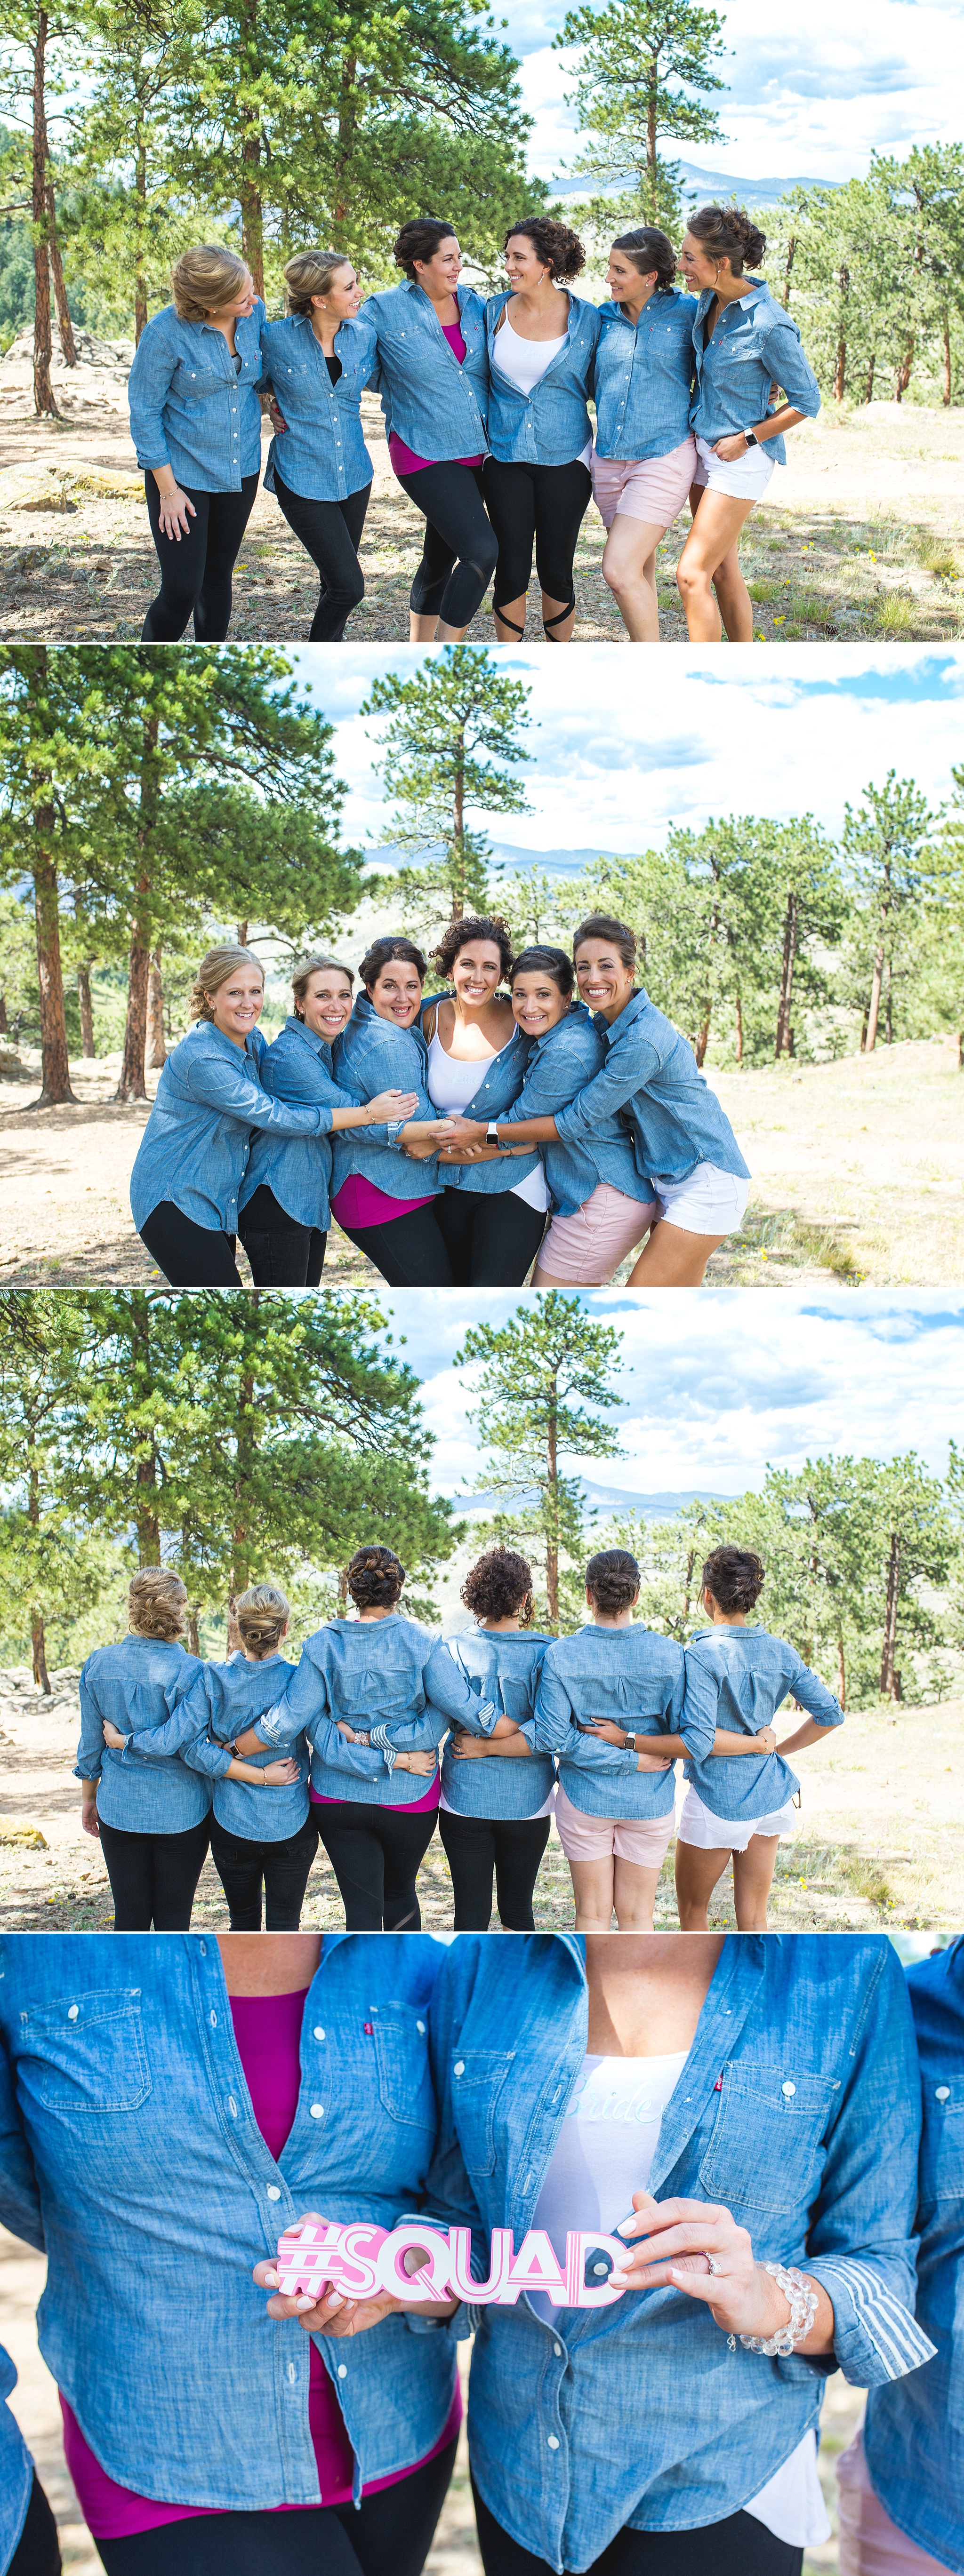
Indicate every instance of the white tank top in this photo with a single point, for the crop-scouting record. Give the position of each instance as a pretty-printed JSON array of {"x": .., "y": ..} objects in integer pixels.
[
  {"x": 525, "y": 363},
  {"x": 451, "y": 1085}
]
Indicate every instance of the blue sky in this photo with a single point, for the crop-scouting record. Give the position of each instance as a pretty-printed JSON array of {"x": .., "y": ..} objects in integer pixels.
[
  {"x": 718, "y": 1385},
  {"x": 613, "y": 766},
  {"x": 810, "y": 93}
]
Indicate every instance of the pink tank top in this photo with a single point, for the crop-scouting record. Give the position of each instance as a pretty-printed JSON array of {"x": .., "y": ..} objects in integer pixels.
[
  {"x": 268, "y": 2032},
  {"x": 403, "y": 460},
  {"x": 360, "y": 1203}
]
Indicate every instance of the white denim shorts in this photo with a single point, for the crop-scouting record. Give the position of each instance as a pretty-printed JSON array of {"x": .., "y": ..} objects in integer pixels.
[
  {"x": 745, "y": 479},
  {"x": 699, "y": 1826},
  {"x": 709, "y": 1202}
]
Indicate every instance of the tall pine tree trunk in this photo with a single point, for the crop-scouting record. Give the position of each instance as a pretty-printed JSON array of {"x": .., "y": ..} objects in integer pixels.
[
  {"x": 791, "y": 248},
  {"x": 841, "y": 1670},
  {"x": 552, "y": 1519},
  {"x": 888, "y": 1676},
  {"x": 53, "y": 1026},
  {"x": 132, "y": 1085},
  {"x": 43, "y": 395},
  {"x": 37, "y": 1638},
  {"x": 156, "y": 1049},
  {"x": 783, "y": 1038},
  {"x": 458, "y": 829},
  {"x": 249, "y": 189},
  {"x": 946, "y": 347},
  {"x": 148, "y": 1498},
  {"x": 64, "y": 324},
  {"x": 840, "y": 370},
  {"x": 347, "y": 124},
  {"x": 140, "y": 201},
  {"x": 87, "y": 1046}
]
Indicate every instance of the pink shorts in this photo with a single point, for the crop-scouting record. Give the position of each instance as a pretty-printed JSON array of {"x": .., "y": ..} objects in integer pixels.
[
  {"x": 870, "y": 2543},
  {"x": 588, "y": 1246},
  {"x": 643, "y": 1839},
  {"x": 654, "y": 490}
]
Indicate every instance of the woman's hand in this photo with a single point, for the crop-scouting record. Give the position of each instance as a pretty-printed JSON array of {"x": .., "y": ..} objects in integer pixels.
[
  {"x": 466, "y": 1747},
  {"x": 675, "y": 2242},
  {"x": 88, "y": 1810},
  {"x": 603, "y": 1727},
  {"x": 728, "y": 449},
  {"x": 465, "y": 1131},
  {"x": 765, "y": 1740},
  {"x": 113, "y": 1737},
  {"x": 349, "y": 1733},
  {"x": 176, "y": 510},
  {"x": 278, "y": 420},
  {"x": 424, "y": 1765},
  {"x": 389, "y": 1104},
  {"x": 333, "y": 2312},
  {"x": 281, "y": 1774}
]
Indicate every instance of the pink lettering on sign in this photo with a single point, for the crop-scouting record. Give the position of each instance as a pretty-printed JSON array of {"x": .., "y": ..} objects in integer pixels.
[{"x": 363, "y": 2261}]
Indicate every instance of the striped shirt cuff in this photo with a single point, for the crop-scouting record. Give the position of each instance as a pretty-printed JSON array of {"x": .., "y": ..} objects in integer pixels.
[{"x": 876, "y": 2338}]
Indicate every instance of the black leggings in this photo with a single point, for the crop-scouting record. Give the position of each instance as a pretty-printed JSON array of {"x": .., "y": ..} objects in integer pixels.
[
  {"x": 391, "y": 2531},
  {"x": 153, "y": 1877},
  {"x": 541, "y": 506},
  {"x": 738, "y": 2546},
  {"x": 330, "y": 532},
  {"x": 196, "y": 569},
  {"x": 282, "y": 1866},
  {"x": 282, "y": 1253},
  {"x": 38, "y": 2549},
  {"x": 375, "y": 1853},
  {"x": 458, "y": 535},
  {"x": 408, "y": 1250},
  {"x": 477, "y": 1845},
  {"x": 190, "y": 1255},
  {"x": 491, "y": 1239}
]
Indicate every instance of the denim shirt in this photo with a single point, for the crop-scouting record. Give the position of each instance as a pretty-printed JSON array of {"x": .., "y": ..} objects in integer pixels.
[
  {"x": 643, "y": 377},
  {"x": 754, "y": 344},
  {"x": 194, "y": 1149},
  {"x": 560, "y": 1065},
  {"x": 370, "y": 1056},
  {"x": 798, "y": 2109},
  {"x": 296, "y": 1066},
  {"x": 223, "y": 1700},
  {"x": 651, "y": 1075},
  {"x": 127, "y": 2137},
  {"x": 321, "y": 452},
  {"x": 436, "y": 406},
  {"x": 136, "y": 1684},
  {"x": 387, "y": 1677},
  {"x": 501, "y": 1665},
  {"x": 630, "y": 1675},
  {"x": 16, "y": 2467},
  {"x": 737, "y": 1678},
  {"x": 501, "y": 1084},
  {"x": 190, "y": 407},
  {"x": 551, "y": 425},
  {"x": 914, "y": 2439}
]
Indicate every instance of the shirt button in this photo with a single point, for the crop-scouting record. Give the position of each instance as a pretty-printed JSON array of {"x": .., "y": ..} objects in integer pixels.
[
  {"x": 232, "y": 2106},
  {"x": 553, "y": 2442},
  {"x": 292, "y": 2374},
  {"x": 459, "y": 2067},
  {"x": 788, "y": 2089},
  {"x": 342, "y": 2370},
  {"x": 317, "y": 2111},
  {"x": 557, "y": 2349},
  {"x": 74, "y": 2009},
  {"x": 213, "y": 2019},
  {"x": 318, "y": 2033},
  {"x": 943, "y": 2090},
  {"x": 273, "y": 2191},
  {"x": 420, "y": 2026}
]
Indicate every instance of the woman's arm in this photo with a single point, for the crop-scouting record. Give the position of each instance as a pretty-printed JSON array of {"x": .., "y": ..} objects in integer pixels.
[
  {"x": 334, "y": 2313},
  {"x": 276, "y": 1775},
  {"x": 471, "y": 1748},
  {"x": 728, "y": 1743},
  {"x": 811, "y": 1732},
  {"x": 675, "y": 2240}
]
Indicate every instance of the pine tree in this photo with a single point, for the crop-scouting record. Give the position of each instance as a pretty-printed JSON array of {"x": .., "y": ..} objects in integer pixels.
[
  {"x": 544, "y": 1390},
  {"x": 452, "y": 742},
  {"x": 639, "y": 63}
]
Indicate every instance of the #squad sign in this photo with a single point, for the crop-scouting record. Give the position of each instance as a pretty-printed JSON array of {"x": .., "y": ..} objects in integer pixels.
[{"x": 364, "y": 2261}]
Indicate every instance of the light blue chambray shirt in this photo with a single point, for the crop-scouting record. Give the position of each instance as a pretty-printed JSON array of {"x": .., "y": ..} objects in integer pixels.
[
  {"x": 296, "y": 1066},
  {"x": 550, "y": 426},
  {"x": 436, "y": 406},
  {"x": 651, "y": 1074},
  {"x": 321, "y": 452},
  {"x": 131, "y": 2156},
  {"x": 643, "y": 375},
  {"x": 797, "y": 2109},
  {"x": 500, "y": 1665},
  {"x": 136, "y": 1684},
  {"x": 754, "y": 344},
  {"x": 737, "y": 1678},
  {"x": 389, "y": 1678},
  {"x": 559, "y": 1067},
  {"x": 914, "y": 2435},
  {"x": 501, "y": 1084},
  {"x": 195, "y": 1146},
  {"x": 191, "y": 408},
  {"x": 16, "y": 2468},
  {"x": 632, "y": 1676},
  {"x": 370, "y": 1056},
  {"x": 224, "y": 1700}
]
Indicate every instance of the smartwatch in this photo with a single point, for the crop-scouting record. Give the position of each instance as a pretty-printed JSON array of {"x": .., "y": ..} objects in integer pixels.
[
  {"x": 751, "y": 438},
  {"x": 630, "y": 1746},
  {"x": 492, "y": 1136}
]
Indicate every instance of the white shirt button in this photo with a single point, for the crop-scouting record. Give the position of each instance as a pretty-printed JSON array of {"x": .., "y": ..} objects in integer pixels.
[
  {"x": 292, "y": 2374},
  {"x": 420, "y": 2026},
  {"x": 317, "y": 2110},
  {"x": 342, "y": 2370},
  {"x": 318, "y": 2033},
  {"x": 553, "y": 2442},
  {"x": 273, "y": 2191},
  {"x": 788, "y": 2089},
  {"x": 73, "y": 2011},
  {"x": 557, "y": 2349},
  {"x": 459, "y": 2068},
  {"x": 213, "y": 2019},
  {"x": 943, "y": 2090},
  {"x": 232, "y": 2106}
]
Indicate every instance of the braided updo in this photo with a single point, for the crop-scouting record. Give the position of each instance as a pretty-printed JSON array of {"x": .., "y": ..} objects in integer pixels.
[
  {"x": 725, "y": 232},
  {"x": 375, "y": 1578},
  {"x": 612, "y": 1579},
  {"x": 262, "y": 1615},
  {"x": 156, "y": 1602},
  {"x": 735, "y": 1576}
]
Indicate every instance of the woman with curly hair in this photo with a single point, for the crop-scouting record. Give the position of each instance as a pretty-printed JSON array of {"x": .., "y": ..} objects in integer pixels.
[
  {"x": 491, "y": 1208},
  {"x": 433, "y": 375},
  {"x": 746, "y": 349},
  {"x": 373, "y": 1196},
  {"x": 644, "y": 453},
  {"x": 537, "y": 479},
  {"x": 496, "y": 1820}
]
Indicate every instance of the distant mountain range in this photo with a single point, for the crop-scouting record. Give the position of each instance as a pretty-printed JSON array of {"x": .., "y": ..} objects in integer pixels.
[
  {"x": 551, "y": 863},
  {"x": 705, "y": 187},
  {"x": 651, "y": 1507}
]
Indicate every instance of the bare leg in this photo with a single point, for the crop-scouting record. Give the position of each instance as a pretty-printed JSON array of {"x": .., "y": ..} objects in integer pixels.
[
  {"x": 634, "y": 1895},
  {"x": 673, "y": 1258},
  {"x": 697, "y": 1873},
  {"x": 558, "y": 619},
  {"x": 421, "y": 630},
  {"x": 709, "y": 563},
  {"x": 629, "y": 567},
  {"x": 592, "y": 1883},
  {"x": 510, "y": 620},
  {"x": 752, "y": 1880}
]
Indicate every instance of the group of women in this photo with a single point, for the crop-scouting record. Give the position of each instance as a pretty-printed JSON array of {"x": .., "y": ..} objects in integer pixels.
[
  {"x": 746, "y": 2115},
  {"x": 381, "y": 1730},
  {"x": 539, "y": 1110},
  {"x": 489, "y": 433}
]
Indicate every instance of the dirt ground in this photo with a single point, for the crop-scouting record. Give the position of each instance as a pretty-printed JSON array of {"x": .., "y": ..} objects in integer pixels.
[
  {"x": 858, "y": 1175},
  {"x": 861, "y": 535}
]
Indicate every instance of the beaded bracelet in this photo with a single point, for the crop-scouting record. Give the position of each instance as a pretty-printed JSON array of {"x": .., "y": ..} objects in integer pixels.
[{"x": 803, "y": 2308}]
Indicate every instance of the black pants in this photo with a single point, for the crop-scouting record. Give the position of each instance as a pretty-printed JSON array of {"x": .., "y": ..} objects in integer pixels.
[
  {"x": 282, "y": 1253},
  {"x": 739, "y": 2546},
  {"x": 283, "y": 1868},
  {"x": 491, "y": 1241},
  {"x": 541, "y": 506},
  {"x": 512, "y": 1847},
  {"x": 460, "y": 549},
  {"x": 330, "y": 532},
  {"x": 408, "y": 1250},
  {"x": 190, "y": 1256},
  {"x": 196, "y": 570},
  {"x": 38, "y": 2549},
  {"x": 375, "y": 1853},
  {"x": 390, "y": 2535},
  {"x": 153, "y": 1877}
]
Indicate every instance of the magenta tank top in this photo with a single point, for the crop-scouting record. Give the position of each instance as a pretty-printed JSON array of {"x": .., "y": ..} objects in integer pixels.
[{"x": 403, "y": 461}]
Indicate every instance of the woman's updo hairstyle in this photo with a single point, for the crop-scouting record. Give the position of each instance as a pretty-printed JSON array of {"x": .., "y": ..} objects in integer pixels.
[
  {"x": 559, "y": 249},
  {"x": 545, "y": 961},
  {"x": 214, "y": 971},
  {"x": 603, "y": 925},
  {"x": 316, "y": 966},
  {"x": 735, "y": 1576},
  {"x": 205, "y": 279},
  {"x": 156, "y": 1603},
  {"x": 650, "y": 249},
  {"x": 725, "y": 232},
  {"x": 382, "y": 952},
  {"x": 310, "y": 273},
  {"x": 612, "y": 1579},
  {"x": 460, "y": 934},
  {"x": 499, "y": 1584},
  {"x": 420, "y": 239},
  {"x": 262, "y": 1614},
  {"x": 375, "y": 1578}
]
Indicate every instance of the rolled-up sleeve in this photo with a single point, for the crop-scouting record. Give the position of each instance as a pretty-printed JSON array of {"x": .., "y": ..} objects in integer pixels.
[
  {"x": 20, "y": 2204},
  {"x": 448, "y": 1689},
  {"x": 814, "y": 1696},
  {"x": 625, "y": 1071},
  {"x": 148, "y": 386},
  {"x": 238, "y": 1095},
  {"x": 789, "y": 368},
  {"x": 698, "y": 1721}
]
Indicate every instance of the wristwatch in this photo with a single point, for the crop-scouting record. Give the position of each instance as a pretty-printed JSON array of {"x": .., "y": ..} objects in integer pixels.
[
  {"x": 492, "y": 1137},
  {"x": 630, "y": 1746},
  {"x": 751, "y": 438}
]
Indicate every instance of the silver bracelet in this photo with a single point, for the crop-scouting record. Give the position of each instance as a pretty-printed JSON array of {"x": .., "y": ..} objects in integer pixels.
[{"x": 803, "y": 2308}]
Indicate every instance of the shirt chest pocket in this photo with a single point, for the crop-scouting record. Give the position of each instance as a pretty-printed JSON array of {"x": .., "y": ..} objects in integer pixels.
[
  {"x": 88, "y": 2055},
  {"x": 767, "y": 2148},
  {"x": 478, "y": 2077},
  {"x": 401, "y": 2062},
  {"x": 197, "y": 384},
  {"x": 942, "y": 2144}
]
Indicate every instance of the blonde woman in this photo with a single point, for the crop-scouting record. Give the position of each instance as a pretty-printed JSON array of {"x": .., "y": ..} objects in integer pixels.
[
  {"x": 151, "y": 1820},
  {"x": 318, "y": 467},
  {"x": 196, "y": 426},
  {"x": 193, "y": 1155}
]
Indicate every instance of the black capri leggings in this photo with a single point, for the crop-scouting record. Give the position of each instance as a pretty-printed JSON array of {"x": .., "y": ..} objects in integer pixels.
[
  {"x": 738, "y": 2546},
  {"x": 491, "y": 1238},
  {"x": 393, "y": 2530},
  {"x": 153, "y": 1877},
  {"x": 282, "y": 1253},
  {"x": 541, "y": 506},
  {"x": 408, "y": 1250},
  {"x": 196, "y": 570},
  {"x": 512, "y": 1847},
  {"x": 330, "y": 532},
  {"x": 282, "y": 1868},
  {"x": 460, "y": 549},
  {"x": 190, "y": 1255},
  {"x": 375, "y": 1853},
  {"x": 38, "y": 2549}
]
